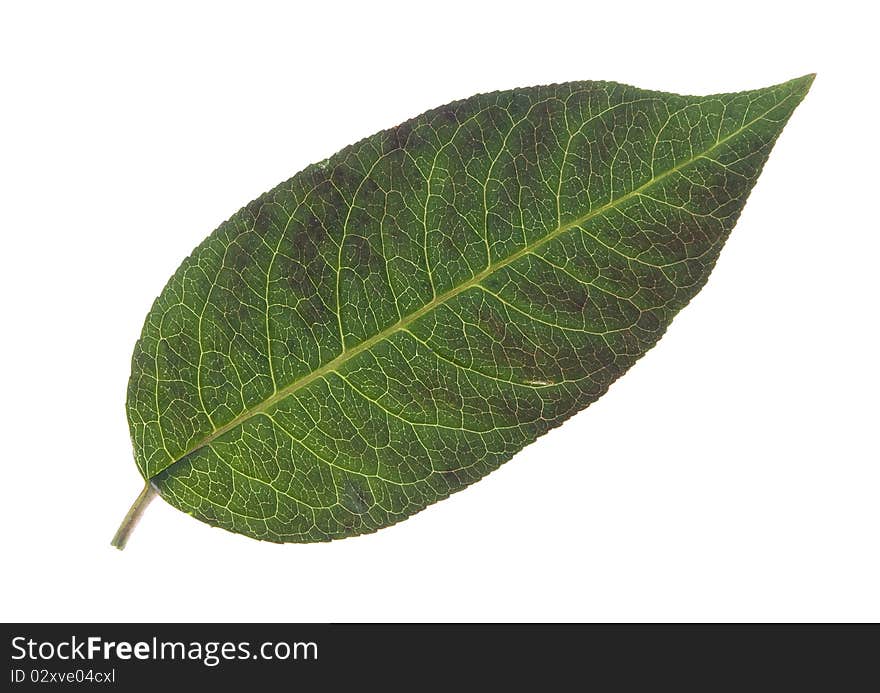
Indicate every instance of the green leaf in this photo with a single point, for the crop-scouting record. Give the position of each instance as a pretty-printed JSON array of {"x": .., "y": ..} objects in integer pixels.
[{"x": 395, "y": 322}]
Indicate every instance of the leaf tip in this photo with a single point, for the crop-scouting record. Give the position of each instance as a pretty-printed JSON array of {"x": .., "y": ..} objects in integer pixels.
[
  {"x": 803, "y": 84},
  {"x": 808, "y": 78}
]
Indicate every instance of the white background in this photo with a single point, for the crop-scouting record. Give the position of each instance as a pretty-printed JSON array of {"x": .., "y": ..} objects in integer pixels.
[{"x": 731, "y": 475}]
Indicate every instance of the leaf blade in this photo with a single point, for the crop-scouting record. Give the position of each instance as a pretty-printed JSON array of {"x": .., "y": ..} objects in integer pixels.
[{"x": 399, "y": 305}]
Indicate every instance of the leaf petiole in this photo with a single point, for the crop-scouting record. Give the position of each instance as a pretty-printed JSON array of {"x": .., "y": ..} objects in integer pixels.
[{"x": 133, "y": 516}]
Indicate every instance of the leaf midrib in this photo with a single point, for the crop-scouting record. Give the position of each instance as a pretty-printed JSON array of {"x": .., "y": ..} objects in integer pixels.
[{"x": 347, "y": 354}]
